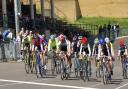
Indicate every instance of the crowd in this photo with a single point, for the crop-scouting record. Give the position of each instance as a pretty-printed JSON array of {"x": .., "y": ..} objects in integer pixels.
[{"x": 107, "y": 30}]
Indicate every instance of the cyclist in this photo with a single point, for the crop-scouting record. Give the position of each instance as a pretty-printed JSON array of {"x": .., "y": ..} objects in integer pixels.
[
  {"x": 63, "y": 49},
  {"x": 95, "y": 47},
  {"x": 108, "y": 51},
  {"x": 26, "y": 43},
  {"x": 95, "y": 50},
  {"x": 122, "y": 51},
  {"x": 84, "y": 47},
  {"x": 38, "y": 49},
  {"x": 85, "y": 52},
  {"x": 52, "y": 46}
]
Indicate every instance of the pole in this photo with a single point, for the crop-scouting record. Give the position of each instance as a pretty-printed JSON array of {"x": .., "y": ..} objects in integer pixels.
[
  {"x": 52, "y": 8},
  {"x": 52, "y": 12},
  {"x": 32, "y": 12},
  {"x": 42, "y": 9},
  {"x": 4, "y": 11},
  {"x": 19, "y": 6},
  {"x": 16, "y": 18}
]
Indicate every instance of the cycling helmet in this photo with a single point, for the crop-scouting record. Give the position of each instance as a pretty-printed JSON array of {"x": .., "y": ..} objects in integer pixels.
[
  {"x": 107, "y": 40},
  {"x": 121, "y": 42},
  {"x": 101, "y": 41},
  {"x": 80, "y": 37},
  {"x": 52, "y": 37},
  {"x": 84, "y": 40},
  {"x": 96, "y": 40},
  {"x": 43, "y": 35}
]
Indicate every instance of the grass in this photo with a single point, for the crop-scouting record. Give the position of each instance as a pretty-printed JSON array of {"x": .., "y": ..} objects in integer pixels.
[{"x": 123, "y": 22}]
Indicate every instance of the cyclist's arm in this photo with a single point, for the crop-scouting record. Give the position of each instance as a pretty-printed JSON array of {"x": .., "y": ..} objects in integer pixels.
[
  {"x": 112, "y": 50},
  {"x": 89, "y": 50},
  {"x": 93, "y": 49},
  {"x": 80, "y": 49},
  {"x": 49, "y": 45},
  {"x": 126, "y": 53},
  {"x": 99, "y": 51},
  {"x": 68, "y": 47}
]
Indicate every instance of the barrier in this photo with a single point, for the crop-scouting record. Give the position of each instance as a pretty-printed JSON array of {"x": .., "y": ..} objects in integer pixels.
[{"x": 9, "y": 51}]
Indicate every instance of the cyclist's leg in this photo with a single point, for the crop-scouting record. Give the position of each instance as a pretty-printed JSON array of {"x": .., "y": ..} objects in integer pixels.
[{"x": 111, "y": 65}]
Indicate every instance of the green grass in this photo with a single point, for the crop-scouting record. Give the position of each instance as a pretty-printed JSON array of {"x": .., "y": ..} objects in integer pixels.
[{"x": 123, "y": 22}]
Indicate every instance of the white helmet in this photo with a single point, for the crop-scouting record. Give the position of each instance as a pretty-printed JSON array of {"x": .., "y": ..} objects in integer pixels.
[{"x": 107, "y": 40}]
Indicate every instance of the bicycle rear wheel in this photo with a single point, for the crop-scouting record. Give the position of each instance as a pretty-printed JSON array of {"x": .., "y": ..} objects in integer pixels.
[{"x": 27, "y": 66}]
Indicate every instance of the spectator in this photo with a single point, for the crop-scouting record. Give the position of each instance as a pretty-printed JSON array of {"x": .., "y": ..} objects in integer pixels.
[
  {"x": 117, "y": 28},
  {"x": 100, "y": 29},
  {"x": 104, "y": 31},
  {"x": 7, "y": 35},
  {"x": 109, "y": 30}
]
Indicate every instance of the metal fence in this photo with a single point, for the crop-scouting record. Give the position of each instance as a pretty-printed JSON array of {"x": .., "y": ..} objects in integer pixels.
[{"x": 9, "y": 51}]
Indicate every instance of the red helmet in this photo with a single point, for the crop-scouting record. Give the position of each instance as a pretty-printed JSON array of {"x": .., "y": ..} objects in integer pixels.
[
  {"x": 121, "y": 42},
  {"x": 84, "y": 40}
]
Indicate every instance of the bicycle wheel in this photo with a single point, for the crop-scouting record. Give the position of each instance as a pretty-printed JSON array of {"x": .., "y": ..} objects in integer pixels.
[
  {"x": 57, "y": 67},
  {"x": 33, "y": 63},
  {"x": 26, "y": 60},
  {"x": 76, "y": 72},
  {"x": 42, "y": 72},
  {"x": 98, "y": 70},
  {"x": 85, "y": 75},
  {"x": 124, "y": 70},
  {"x": 37, "y": 70},
  {"x": 105, "y": 77}
]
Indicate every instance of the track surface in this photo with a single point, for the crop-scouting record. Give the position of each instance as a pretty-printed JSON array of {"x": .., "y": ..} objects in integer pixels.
[{"x": 13, "y": 76}]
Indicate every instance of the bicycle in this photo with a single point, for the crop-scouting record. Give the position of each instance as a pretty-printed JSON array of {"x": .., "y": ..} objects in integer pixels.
[
  {"x": 76, "y": 65},
  {"x": 84, "y": 71},
  {"x": 32, "y": 62},
  {"x": 65, "y": 68},
  {"x": 53, "y": 61},
  {"x": 105, "y": 70},
  {"x": 125, "y": 68},
  {"x": 98, "y": 66},
  {"x": 27, "y": 60},
  {"x": 58, "y": 64}
]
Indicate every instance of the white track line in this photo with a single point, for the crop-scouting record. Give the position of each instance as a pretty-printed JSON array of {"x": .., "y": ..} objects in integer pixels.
[
  {"x": 21, "y": 83},
  {"x": 46, "y": 84},
  {"x": 122, "y": 86},
  {"x": 9, "y": 84}
]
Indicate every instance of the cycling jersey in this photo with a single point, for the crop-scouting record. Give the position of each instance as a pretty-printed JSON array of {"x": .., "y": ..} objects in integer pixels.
[
  {"x": 122, "y": 49},
  {"x": 37, "y": 41},
  {"x": 95, "y": 49},
  {"x": 107, "y": 49},
  {"x": 63, "y": 46},
  {"x": 53, "y": 44},
  {"x": 85, "y": 48},
  {"x": 25, "y": 40}
]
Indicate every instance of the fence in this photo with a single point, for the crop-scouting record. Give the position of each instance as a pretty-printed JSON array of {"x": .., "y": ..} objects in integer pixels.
[
  {"x": 9, "y": 51},
  {"x": 123, "y": 32}
]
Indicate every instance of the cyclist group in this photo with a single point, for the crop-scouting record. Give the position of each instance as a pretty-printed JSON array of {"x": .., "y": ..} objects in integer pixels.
[{"x": 61, "y": 47}]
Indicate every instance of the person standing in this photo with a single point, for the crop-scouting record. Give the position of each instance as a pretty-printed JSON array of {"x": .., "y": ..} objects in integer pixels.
[
  {"x": 104, "y": 31},
  {"x": 109, "y": 30},
  {"x": 100, "y": 31},
  {"x": 117, "y": 28}
]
